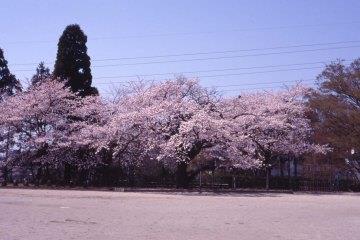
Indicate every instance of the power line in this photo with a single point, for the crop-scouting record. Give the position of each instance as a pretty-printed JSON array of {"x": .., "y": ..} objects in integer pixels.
[
  {"x": 215, "y": 58},
  {"x": 226, "y": 57},
  {"x": 246, "y": 89},
  {"x": 226, "y": 51},
  {"x": 211, "y": 70},
  {"x": 224, "y": 75},
  {"x": 262, "y": 83},
  {"x": 233, "y": 30},
  {"x": 205, "y": 53},
  {"x": 215, "y": 70},
  {"x": 261, "y": 88},
  {"x": 249, "y": 73},
  {"x": 100, "y": 38}
]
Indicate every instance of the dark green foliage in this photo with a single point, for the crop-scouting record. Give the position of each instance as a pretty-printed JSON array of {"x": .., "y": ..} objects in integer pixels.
[
  {"x": 42, "y": 73},
  {"x": 9, "y": 85},
  {"x": 335, "y": 113},
  {"x": 72, "y": 61}
]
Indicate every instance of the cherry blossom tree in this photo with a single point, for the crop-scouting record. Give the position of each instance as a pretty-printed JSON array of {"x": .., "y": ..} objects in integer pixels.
[
  {"x": 37, "y": 115},
  {"x": 176, "y": 121},
  {"x": 173, "y": 122},
  {"x": 273, "y": 124},
  {"x": 41, "y": 121},
  {"x": 247, "y": 131},
  {"x": 139, "y": 124}
]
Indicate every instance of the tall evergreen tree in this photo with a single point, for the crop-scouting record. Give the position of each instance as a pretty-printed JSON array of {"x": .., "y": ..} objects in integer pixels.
[
  {"x": 72, "y": 61},
  {"x": 41, "y": 74},
  {"x": 9, "y": 85}
]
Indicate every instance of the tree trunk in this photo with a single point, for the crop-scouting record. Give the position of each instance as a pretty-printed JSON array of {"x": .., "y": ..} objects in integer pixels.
[
  {"x": 281, "y": 168},
  {"x": 268, "y": 173},
  {"x": 234, "y": 181},
  {"x": 295, "y": 167},
  {"x": 296, "y": 182},
  {"x": 5, "y": 175},
  {"x": 212, "y": 179},
  {"x": 67, "y": 174},
  {"x": 289, "y": 173},
  {"x": 200, "y": 181},
  {"x": 182, "y": 180},
  {"x": 6, "y": 170}
]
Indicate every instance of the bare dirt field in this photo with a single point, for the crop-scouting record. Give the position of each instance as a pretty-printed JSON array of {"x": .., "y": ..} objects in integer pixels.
[{"x": 56, "y": 214}]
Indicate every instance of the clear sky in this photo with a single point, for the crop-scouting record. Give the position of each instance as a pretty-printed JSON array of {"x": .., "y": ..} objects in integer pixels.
[{"x": 133, "y": 28}]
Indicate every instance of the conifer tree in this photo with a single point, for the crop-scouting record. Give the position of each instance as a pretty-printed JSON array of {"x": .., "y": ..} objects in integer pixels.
[
  {"x": 72, "y": 61},
  {"x": 9, "y": 85},
  {"x": 41, "y": 74}
]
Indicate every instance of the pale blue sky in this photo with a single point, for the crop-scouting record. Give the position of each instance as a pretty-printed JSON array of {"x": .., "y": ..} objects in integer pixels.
[{"x": 121, "y": 29}]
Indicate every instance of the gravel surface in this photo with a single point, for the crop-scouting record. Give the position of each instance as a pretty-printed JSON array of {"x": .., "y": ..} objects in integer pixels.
[{"x": 56, "y": 214}]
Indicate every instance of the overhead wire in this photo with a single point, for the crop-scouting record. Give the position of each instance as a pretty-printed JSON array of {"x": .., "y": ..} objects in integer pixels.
[
  {"x": 207, "y": 53},
  {"x": 101, "y": 38}
]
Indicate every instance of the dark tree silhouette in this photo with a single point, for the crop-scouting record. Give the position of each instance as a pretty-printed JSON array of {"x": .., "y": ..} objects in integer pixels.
[
  {"x": 9, "y": 85},
  {"x": 41, "y": 74},
  {"x": 72, "y": 61}
]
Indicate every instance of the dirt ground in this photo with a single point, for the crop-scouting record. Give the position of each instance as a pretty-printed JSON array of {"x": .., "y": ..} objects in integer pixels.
[{"x": 57, "y": 214}]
